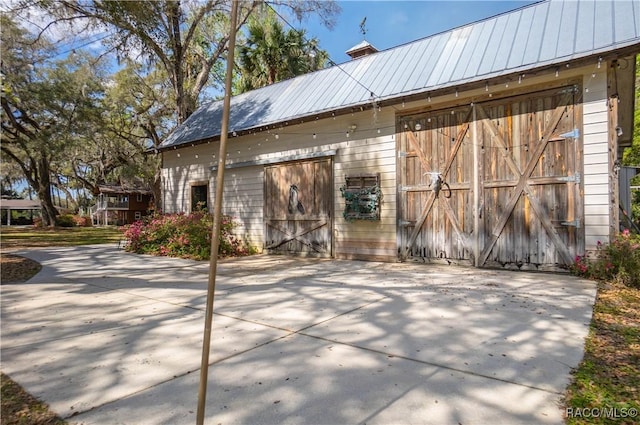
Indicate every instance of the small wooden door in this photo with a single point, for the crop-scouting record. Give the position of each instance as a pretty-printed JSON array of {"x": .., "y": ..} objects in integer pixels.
[
  {"x": 512, "y": 168},
  {"x": 297, "y": 207}
]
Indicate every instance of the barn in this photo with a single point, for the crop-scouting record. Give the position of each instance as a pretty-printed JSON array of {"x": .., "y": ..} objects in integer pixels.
[{"x": 495, "y": 144}]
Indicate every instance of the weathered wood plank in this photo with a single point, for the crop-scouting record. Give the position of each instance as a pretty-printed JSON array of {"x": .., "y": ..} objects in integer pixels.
[
  {"x": 431, "y": 199},
  {"x": 531, "y": 165}
]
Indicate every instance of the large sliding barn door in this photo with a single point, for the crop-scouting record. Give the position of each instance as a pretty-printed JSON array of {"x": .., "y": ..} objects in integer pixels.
[
  {"x": 297, "y": 207},
  {"x": 433, "y": 226},
  {"x": 513, "y": 167}
]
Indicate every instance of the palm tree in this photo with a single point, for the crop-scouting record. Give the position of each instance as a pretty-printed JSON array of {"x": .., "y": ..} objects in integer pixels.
[{"x": 272, "y": 54}]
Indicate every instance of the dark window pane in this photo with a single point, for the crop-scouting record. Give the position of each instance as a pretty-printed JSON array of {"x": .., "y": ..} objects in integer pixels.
[{"x": 199, "y": 197}]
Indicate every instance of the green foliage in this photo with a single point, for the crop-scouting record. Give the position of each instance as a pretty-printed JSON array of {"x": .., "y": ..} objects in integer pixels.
[
  {"x": 618, "y": 261},
  {"x": 631, "y": 155},
  {"x": 271, "y": 54},
  {"x": 65, "y": 220},
  {"x": 50, "y": 108},
  {"x": 187, "y": 40},
  {"x": 184, "y": 236}
]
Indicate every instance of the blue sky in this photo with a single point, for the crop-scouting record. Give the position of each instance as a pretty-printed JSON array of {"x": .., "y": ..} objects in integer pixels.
[{"x": 394, "y": 22}]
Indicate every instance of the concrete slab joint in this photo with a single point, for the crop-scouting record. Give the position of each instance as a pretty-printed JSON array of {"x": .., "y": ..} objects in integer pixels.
[{"x": 108, "y": 337}]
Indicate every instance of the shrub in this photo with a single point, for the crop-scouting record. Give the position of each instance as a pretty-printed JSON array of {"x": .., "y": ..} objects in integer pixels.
[
  {"x": 180, "y": 235},
  {"x": 618, "y": 261},
  {"x": 65, "y": 220},
  {"x": 82, "y": 221}
]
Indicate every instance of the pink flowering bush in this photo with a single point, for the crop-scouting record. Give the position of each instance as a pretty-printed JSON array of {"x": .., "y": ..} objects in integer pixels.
[
  {"x": 183, "y": 235},
  {"x": 618, "y": 261}
]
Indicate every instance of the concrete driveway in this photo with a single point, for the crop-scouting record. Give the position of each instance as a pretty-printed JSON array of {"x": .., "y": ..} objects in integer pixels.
[{"x": 108, "y": 337}]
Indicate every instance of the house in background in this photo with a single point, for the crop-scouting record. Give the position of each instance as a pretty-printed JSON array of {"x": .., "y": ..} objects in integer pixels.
[
  {"x": 494, "y": 144},
  {"x": 19, "y": 211},
  {"x": 119, "y": 205}
]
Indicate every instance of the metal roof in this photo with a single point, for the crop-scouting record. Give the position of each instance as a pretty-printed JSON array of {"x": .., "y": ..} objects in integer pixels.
[
  {"x": 19, "y": 204},
  {"x": 535, "y": 36}
]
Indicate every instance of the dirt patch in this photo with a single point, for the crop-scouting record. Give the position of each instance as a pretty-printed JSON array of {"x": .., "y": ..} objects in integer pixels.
[
  {"x": 16, "y": 269},
  {"x": 21, "y": 408}
]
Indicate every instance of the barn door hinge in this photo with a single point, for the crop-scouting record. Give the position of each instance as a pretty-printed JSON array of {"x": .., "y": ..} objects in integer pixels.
[
  {"x": 574, "y": 178},
  {"x": 573, "y": 134},
  {"x": 574, "y": 223},
  {"x": 402, "y": 154}
]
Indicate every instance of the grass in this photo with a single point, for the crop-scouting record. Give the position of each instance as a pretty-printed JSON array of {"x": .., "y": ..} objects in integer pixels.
[
  {"x": 606, "y": 385},
  {"x": 21, "y": 408},
  {"x": 30, "y": 237}
]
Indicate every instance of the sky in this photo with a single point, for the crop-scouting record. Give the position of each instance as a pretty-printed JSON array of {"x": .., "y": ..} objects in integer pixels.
[{"x": 391, "y": 23}]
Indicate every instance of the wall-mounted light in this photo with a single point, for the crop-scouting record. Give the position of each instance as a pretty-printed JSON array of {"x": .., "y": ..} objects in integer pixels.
[
  {"x": 619, "y": 131},
  {"x": 418, "y": 126}
]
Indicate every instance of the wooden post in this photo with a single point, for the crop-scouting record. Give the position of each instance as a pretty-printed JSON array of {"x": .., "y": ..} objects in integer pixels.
[
  {"x": 217, "y": 215},
  {"x": 476, "y": 189},
  {"x": 614, "y": 201}
]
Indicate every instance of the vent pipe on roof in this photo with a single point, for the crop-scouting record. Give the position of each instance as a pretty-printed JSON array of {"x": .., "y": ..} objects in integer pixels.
[{"x": 361, "y": 49}]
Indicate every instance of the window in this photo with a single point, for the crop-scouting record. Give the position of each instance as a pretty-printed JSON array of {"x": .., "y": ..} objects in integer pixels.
[
  {"x": 138, "y": 215},
  {"x": 139, "y": 197},
  {"x": 199, "y": 195}
]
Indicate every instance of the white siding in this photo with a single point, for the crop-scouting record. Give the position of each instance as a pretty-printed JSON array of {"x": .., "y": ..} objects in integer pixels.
[
  {"x": 372, "y": 149},
  {"x": 368, "y": 149},
  {"x": 596, "y": 159},
  {"x": 243, "y": 200},
  {"x": 373, "y": 154}
]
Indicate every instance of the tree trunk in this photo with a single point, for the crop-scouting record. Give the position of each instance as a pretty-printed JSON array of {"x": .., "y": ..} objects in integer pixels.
[
  {"x": 49, "y": 211},
  {"x": 156, "y": 189}
]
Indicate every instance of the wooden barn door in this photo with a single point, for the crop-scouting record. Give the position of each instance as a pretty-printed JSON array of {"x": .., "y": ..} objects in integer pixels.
[
  {"x": 513, "y": 168},
  {"x": 297, "y": 207},
  {"x": 531, "y": 210},
  {"x": 436, "y": 225}
]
